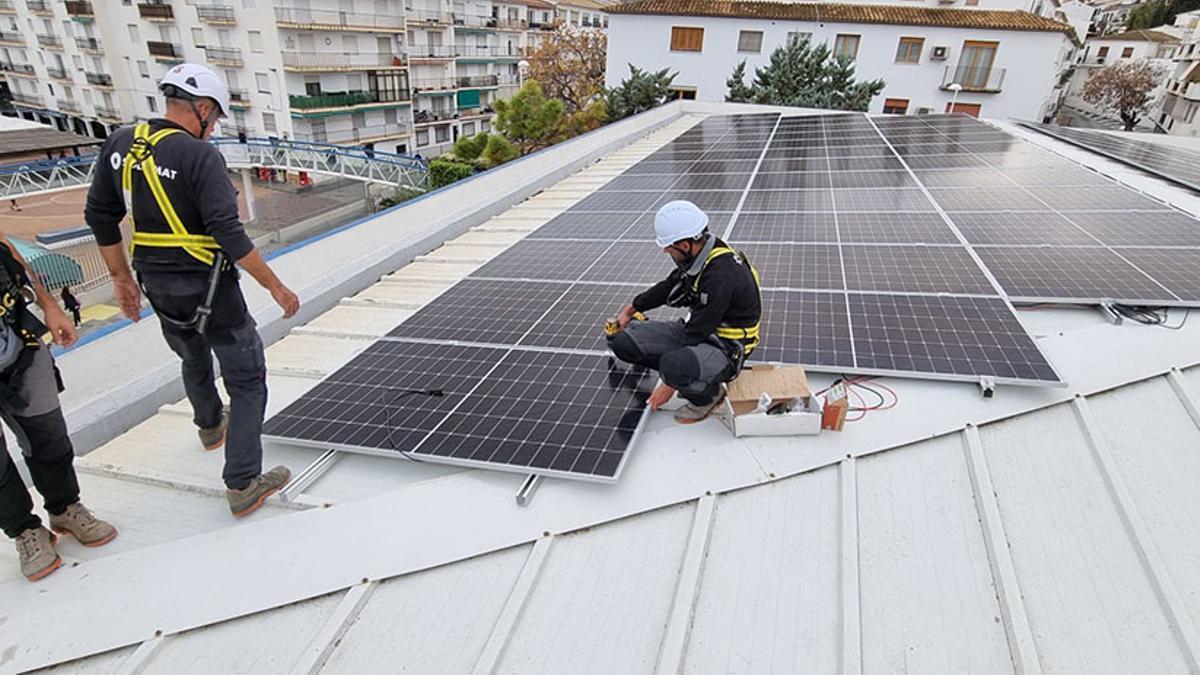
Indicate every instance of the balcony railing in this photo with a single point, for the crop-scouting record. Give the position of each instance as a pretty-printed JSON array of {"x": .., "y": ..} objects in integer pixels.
[
  {"x": 512, "y": 24},
  {"x": 478, "y": 81},
  {"x": 57, "y": 73},
  {"x": 355, "y": 135},
  {"x": 80, "y": 8},
  {"x": 100, "y": 79},
  {"x": 106, "y": 113},
  {"x": 221, "y": 15},
  {"x": 239, "y": 98},
  {"x": 469, "y": 113},
  {"x": 7, "y": 7},
  {"x": 39, "y": 6},
  {"x": 347, "y": 100},
  {"x": 974, "y": 78},
  {"x": 88, "y": 44},
  {"x": 434, "y": 116},
  {"x": 31, "y": 100},
  {"x": 165, "y": 51},
  {"x": 434, "y": 84},
  {"x": 328, "y": 61},
  {"x": 225, "y": 56},
  {"x": 509, "y": 79},
  {"x": 298, "y": 17},
  {"x": 50, "y": 41},
  {"x": 18, "y": 68},
  {"x": 428, "y": 16},
  {"x": 466, "y": 51},
  {"x": 68, "y": 105},
  {"x": 1192, "y": 91},
  {"x": 155, "y": 12},
  {"x": 7, "y": 38},
  {"x": 474, "y": 20},
  {"x": 432, "y": 51}
]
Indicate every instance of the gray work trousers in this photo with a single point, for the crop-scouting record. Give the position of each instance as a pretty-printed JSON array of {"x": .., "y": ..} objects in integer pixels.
[
  {"x": 233, "y": 336},
  {"x": 695, "y": 371}
]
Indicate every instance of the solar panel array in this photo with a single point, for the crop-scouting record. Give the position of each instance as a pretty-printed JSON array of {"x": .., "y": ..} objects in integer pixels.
[
  {"x": 887, "y": 245},
  {"x": 1175, "y": 164}
]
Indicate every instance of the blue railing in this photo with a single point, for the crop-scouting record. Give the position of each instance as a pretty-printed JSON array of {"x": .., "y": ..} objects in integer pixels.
[{"x": 46, "y": 164}]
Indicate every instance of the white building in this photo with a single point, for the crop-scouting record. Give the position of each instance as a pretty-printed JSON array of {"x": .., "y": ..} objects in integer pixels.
[
  {"x": 1181, "y": 100},
  {"x": 1155, "y": 46},
  {"x": 1006, "y": 61},
  {"x": 1112, "y": 15},
  {"x": 404, "y": 76}
]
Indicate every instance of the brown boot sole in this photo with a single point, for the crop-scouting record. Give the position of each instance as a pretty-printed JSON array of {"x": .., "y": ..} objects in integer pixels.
[
  {"x": 255, "y": 506},
  {"x": 706, "y": 415},
  {"x": 46, "y": 572},
  {"x": 93, "y": 544},
  {"x": 218, "y": 444}
]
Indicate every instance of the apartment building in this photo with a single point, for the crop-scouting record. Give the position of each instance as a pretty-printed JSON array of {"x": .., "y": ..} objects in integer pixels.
[
  {"x": 1155, "y": 46},
  {"x": 1005, "y": 63},
  {"x": 401, "y": 76},
  {"x": 1181, "y": 100}
]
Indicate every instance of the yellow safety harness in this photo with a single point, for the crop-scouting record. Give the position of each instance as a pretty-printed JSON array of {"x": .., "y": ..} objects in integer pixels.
[
  {"x": 747, "y": 335},
  {"x": 141, "y": 153}
]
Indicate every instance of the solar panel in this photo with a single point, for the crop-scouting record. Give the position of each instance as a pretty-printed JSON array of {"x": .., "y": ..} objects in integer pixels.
[
  {"x": 894, "y": 228},
  {"x": 1174, "y": 164},
  {"x": 805, "y": 327},
  {"x": 482, "y": 310},
  {"x": 1040, "y": 274},
  {"x": 786, "y": 227},
  {"x": 574, "y": 321},
  {"x": 913, "y": 269},
  {"x": 1032, "y": 229}
]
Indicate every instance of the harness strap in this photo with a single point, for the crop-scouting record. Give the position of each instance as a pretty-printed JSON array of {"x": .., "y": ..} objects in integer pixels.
[{"x": 748, "y": 335}]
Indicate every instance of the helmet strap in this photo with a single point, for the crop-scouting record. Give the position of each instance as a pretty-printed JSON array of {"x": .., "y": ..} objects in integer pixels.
[{"x": 203, "y": 121}]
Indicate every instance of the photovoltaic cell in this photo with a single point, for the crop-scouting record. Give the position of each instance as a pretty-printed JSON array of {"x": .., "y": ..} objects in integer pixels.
[
  {"x": 575, "y": 321},
  {"x": 1033, "y": 228},
  {"x": 1048, "y": 274},
  {"x": 913, "y": 269},
  {"x": 631, "y": 263},
  {"x": 1177, "y": 269},
  {"x": 1162, "y": 228},
  {"x": 898, "y": 199},
  {"x": 785, "y": 227},
  {"x": 796, "y": 266},
  {"x": 1175, "y": 164},
  {"x": 788, "y": 200},
  {"x": 988, "y": 199},
  {"x": 806, "y": 328},
  {"x": 599, "y": 226},
  {"x": 550, "y": 260},
  {"x": 1097, "y": 198},
  {"x": 894, "y": 228},
  {"x": 481, "y": 310}
]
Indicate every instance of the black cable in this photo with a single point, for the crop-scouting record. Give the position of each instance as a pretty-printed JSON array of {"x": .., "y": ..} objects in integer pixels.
[{"x": 391, "y": 408}]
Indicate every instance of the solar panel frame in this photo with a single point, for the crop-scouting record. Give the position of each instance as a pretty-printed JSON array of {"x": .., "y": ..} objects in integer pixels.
[{"x": 1177, "y": 165}]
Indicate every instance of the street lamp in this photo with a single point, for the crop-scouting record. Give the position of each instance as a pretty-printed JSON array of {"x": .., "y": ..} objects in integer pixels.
[{"x": 954, "y": 87}]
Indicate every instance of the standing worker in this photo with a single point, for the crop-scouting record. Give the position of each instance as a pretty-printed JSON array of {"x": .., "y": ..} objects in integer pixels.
[
  {"x": 29, "y": 387},
  {"x": 184, "y": 214},
  {"x": 720, "y": 288},
  {"x": 72, "y": 304}
]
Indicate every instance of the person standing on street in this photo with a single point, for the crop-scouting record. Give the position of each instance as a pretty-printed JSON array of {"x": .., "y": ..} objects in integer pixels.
[
  {"x": 72, "y": 304},
  {"x": 186, "y": 237}
]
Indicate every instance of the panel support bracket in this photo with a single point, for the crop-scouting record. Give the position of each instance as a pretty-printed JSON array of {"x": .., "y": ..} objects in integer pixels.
[
  {"x": 987, "y": 386},
  {"x": 530, "y": 486}
]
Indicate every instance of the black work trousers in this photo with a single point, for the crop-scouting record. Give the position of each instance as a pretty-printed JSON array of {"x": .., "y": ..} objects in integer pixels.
[
  {"x": 695, "y": 371},
  {"x": 41, "y": 432},
  {"x": 233, "y": 337}
]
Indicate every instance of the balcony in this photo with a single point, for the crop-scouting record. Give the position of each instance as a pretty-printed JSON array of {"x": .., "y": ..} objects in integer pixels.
[
  {"x": 217, "y": 15},
  {"x": 89, "y": 45},
  {"x": 239, "y": 99},
  {"x": 428, "y": 16},
  {"x": 39, "y": 7},
  {"x": 434, "y": 84},
  {"x": 29, "y": 100},
  {"x": 153, "y": 11},
  {"x": 230, "y": 57},
  {"x": 466, "y": 51},
  {"x": 322, "y": 19},
  {"x": 512, "y": 24},
  {"x": 329, "y": 62},
  {"x": 165, "y": 51},
  {"x": 106, "y": 113},
  {"x": 12, "y": 39},
  {"x": 101, "y": 80},
  {"x": 20, "y": 69},
  {"x": 7, "y": 7},
  {"x": 434, "y": 116},
  {"x": 351, "y": 99},
  {"x": 974, "y": 79},
  {"x": 58, "y": 73},
  {"x": 477, "y": 81},
  {"x": 80, "y": 9},
  {"x": 68, "y": 105},
  {"x": 50, "y": 41},
  {"x": 434, "y": 52},
  {"x": 472, "y": 113},
  {"x": 1192, "y": 91},
  {"x": 356, "y": 135},
  {"x": 479, "y": 21}
]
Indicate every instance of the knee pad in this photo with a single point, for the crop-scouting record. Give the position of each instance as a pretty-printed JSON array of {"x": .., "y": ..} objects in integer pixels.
[{"x": 679, "y": 368}]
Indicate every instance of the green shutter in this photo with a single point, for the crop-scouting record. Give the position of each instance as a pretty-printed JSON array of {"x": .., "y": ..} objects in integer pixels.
[{"x": 468, "y": 98}]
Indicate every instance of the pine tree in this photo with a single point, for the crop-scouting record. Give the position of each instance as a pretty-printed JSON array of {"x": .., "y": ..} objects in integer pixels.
[
  {"x": 529, "y": 120},
  {"x": 801, "y": 75},
  {"x": 738, "y": 91},
  {"x": 639, "y": 92}
]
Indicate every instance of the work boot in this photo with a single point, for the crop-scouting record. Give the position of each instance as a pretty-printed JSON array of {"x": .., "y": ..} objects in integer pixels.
[
  {"x": 692, "y": 413},
  {"x": 214, "y": 437},
  {"x": 245, "y": 501},
  {"x": 36, "y": 549},
  {"x": 87, "y": 529}
]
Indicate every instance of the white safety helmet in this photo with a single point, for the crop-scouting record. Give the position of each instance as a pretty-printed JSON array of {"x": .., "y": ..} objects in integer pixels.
[
  {"x": 678, "y": 220},
  {"x": 195, "y": 80}
]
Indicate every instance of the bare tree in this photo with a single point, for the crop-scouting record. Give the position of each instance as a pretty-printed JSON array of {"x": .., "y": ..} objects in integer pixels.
[
  {"x": 569, "y": 66},
  {"x": 1124, "y": 88}
]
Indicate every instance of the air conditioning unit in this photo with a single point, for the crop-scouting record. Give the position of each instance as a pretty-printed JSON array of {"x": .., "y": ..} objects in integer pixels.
[
  {"x": 939, "y": 53},
  {"x": 924, "y": 111}
]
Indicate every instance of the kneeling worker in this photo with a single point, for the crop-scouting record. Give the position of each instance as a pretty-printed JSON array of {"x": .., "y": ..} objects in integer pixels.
[
  {"x": 720, "y": 287},
  {"x": 186, "y": 237}
]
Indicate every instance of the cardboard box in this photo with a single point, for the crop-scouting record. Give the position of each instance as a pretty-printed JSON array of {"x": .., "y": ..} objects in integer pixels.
[{"x": 745, "y": 417}]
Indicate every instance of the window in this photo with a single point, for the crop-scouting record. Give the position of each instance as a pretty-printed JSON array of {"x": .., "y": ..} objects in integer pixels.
[
  {"x": 152, "y": 104},
  {"x": 143, "y": 69},
  {"x": 895, "y": 106},
  {"x": 485, "y": 125},
  {"x": 684, "y": 93},
  {"x": 910, "y": 50},
  {"x": 799, "y": 36},
  {"x": 686, "y": 39},
  {"x": 846, "y": 45},
  {"x": 1101, "y": 55},
  {"x": 198, "y": 37},
  {"x": 268, "y": 122},
  {"x": 422, "y": 138},
  {"x": 255, "y": 38},
  {"x": 134, "y": 36},
  {"x": 750, "y": 41},
  {"x": 468, "y": 128},
  {"x": 441, "y": 134},
  {"x": 263, "y": 83},
  {"x": 1127, "y": 52},
  {"x": 971, "y": 109}
]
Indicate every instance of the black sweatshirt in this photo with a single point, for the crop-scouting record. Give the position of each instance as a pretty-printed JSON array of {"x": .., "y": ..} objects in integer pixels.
[
  {"x": 728, "y": 295},
  {"x": 194, "y": 176}
]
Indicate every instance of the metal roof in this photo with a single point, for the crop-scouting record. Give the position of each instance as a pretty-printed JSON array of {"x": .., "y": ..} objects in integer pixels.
[{"x": 1039, "y": 530}]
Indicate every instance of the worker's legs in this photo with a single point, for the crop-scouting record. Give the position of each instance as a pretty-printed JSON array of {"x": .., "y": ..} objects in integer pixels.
[
  {"x": 643, "y": 343},
  {"x": 696, "y": 372},
  {"x": 243, "y": 366},
  {"x": 177, "y": 296}
]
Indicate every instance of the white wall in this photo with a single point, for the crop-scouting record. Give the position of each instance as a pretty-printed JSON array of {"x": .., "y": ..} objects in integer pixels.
[{"x": 1030, "y": 59}]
